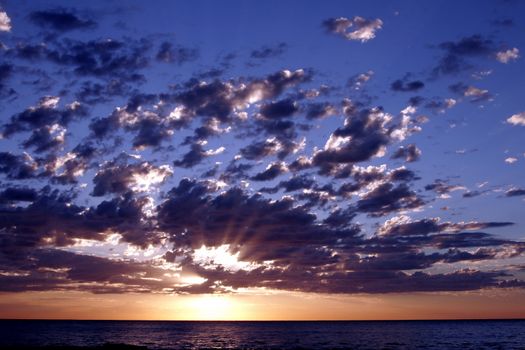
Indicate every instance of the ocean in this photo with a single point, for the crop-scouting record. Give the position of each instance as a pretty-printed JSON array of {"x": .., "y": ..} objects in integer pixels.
[{"x": 480, "y": 334}]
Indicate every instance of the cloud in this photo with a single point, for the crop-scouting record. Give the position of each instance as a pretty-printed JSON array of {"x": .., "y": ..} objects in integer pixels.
[
  {"x": 46, "y": 138},
  {"x": 517, "y": 119},
  {"x": 271, "y": 146},
  {"x": 365, "y": 134},
  {"x": 52, "y": 219},
  {"x": 91, "y": 92},
  {"x": 272, "y": 171},
  {"x": 504, "y": 22},
  {"x": 269, "y": 51},
  {"x": 106, "y": 58},
  {"x": 194, "y": 156},
  {"x": 60, "y": 20},
  {"x": 404, "y": 226},
  {"x": 303, "y": 253},
  {"x": 114, "y": 177},
  {"x": 66, "y": 169},
  {"x": 18, "y": 194},
  {"x": 441, "y": 106},
  {"x": 320, "y": 110},
  {"x": 358, "y": 28},
  {"x": 388, "y": 198},
  {"x": 279, "y": 109},
  {"x": 508, "y": 56},
  {"x": 443, "y": 188},
  {"x": 473, "y": 93},
  {"x": 456, "y": 54},
  {"x": 6, "y": 72},
  {"x": 358, "y": 81},
  {"x": 17, "y": 167},
  {"x": 410, "y": 153},
  {"x": 400, "y": 85},
  {"x": 514, "y": 192},
  {"x": 220, "y": 99},
  {"x": 170, "y": 54},
  {"x": 45, "y": 114},
  {"x": 68, "y": 191},
  {"x": 5, "y": 22}
]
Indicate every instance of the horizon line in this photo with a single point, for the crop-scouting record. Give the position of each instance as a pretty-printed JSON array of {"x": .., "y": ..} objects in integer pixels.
[{"x": 288, "y": 320}]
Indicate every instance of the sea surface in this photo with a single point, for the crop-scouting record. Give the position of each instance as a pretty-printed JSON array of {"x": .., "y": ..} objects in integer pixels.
[{"x": 501, "y": 334}]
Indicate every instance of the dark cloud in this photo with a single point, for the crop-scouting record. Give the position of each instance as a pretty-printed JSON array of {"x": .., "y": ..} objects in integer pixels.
[
  {"x": 235, "y": 171},
  {"x": 306, "y": 254},
  {"x": 252, "y": 221},
  {"x": 456, "y": 54},
  {"x": 400, "y": 85},
  {"x": 52, "y": 218},
  {"x": 504, "y": 22},
  {"x": 18, "y": 194},
  {"x": 442, "y": 187},
  {"x": 53, "y": 269},
  {"x": 297, "y": 183},
  {"x": 45, "y": 115},
  {"x": 6, "y": 71},
  {"x": 46, "y": 138},
  {"x": 364, "y": 135},
  {"x": 402, "y": 174},
  {"x": 92, "y": 92},
  {"x": 473, "y": 93},
  {"x": 304, "y": 221},
  {"x": 261, "y": 149},
  {"x": 271, "y": 172},
  {"x": 439, "y": 105},
  {"x": 269, "y": 51},
  {"x": 99, "y": 58},
  {"x": 409, "y": 153},
  {"x": 514, "y": 192},
  {"x": 319, "y": 110},
  {"x": 17, "y": 167},
  {"x": 169, "y": 53},
  {"x": 388, "y": 198},
  {"x": 194, "y": 156},
  {"x": 218, "y": 99},
  {"x": 472, "y": 194},
  {"x": 74, "y": 166},
  {"x": 60, "y": 20},
  {"x": 150, "y": 126},
  {"x": 425, "y": 227},
  {"x": 115, "y": 177},
  {"x": 279, "y": 109}
]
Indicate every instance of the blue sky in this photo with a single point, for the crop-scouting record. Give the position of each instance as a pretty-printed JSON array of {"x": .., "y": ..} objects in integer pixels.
[{"x": 333, "y": 147}]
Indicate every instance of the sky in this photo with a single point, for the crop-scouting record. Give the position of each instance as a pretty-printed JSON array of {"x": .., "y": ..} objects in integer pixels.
[{"x": 262, "y": 160}]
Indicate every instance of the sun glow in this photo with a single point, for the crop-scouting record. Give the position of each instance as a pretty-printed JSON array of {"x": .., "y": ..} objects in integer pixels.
[{"x": 212, "y": 307}]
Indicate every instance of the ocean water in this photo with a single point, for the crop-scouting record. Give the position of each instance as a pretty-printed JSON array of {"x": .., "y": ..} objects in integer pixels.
[{"x": 501, "y": 334}]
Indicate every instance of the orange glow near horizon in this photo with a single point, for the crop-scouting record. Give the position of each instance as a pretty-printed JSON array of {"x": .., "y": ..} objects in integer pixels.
[{"x": 270, "y": 305}]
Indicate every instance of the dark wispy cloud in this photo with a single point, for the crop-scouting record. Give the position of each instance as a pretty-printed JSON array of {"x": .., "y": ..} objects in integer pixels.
[
  {"x": 269, "y": 51},
  {"x": 60, "y": 20},
  {"x": 169, "y": 53}
]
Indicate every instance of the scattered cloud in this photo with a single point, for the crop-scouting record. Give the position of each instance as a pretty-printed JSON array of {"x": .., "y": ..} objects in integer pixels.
[
  {"x": 517, "y": 119},
  {"x": 5, "y": 22},
  {"x": 358, "y": 28},
  {"x": 508, "y": 56}
]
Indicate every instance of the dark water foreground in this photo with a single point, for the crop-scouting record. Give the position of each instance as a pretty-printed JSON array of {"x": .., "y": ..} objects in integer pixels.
[{"x": 124, "y": 335}]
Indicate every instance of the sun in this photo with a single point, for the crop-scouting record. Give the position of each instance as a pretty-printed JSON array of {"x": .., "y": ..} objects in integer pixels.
[{"x": 211, "y": 307}]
